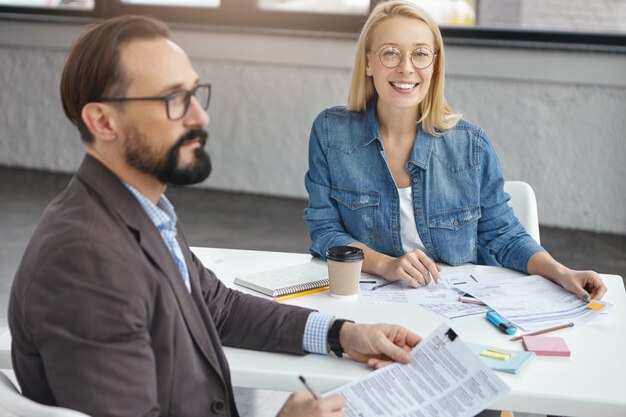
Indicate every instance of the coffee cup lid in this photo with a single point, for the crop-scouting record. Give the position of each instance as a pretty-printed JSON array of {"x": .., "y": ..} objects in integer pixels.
[{"x": 344, "y": 254}]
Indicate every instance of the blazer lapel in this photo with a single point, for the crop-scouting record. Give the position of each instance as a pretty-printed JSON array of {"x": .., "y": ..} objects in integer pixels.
[
  {"x": 154, "y": 247},
  {"x": 196, "y": 292},
  {"x": 118, "y": 198}
]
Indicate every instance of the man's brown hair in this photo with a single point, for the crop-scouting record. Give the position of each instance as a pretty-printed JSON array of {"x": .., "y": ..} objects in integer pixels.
[{"x": 93, "y": 70}]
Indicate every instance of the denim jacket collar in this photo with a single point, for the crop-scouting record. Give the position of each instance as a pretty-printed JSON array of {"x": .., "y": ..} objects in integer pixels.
[
  {"x": 422, "y": 148},
  {"x": 372, "y": 130}
]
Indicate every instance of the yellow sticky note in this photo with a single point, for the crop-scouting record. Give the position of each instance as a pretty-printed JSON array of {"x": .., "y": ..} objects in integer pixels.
[
  {"x": 490, "y": 353},
  {"x": 594, "y": 305}
]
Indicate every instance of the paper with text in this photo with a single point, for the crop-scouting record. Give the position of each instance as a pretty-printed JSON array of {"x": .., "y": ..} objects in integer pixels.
[
  {"x": 444, "y": 379},
  {"x": 456, "y": 310},
  {"x": 440, "y": 298},
  {"x": 531, "y": 302},
  {"x": 402, "y": 293}
]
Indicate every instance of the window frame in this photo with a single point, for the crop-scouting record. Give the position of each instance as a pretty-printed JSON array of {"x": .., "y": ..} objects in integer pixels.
[{"x": 245, "y": 16}]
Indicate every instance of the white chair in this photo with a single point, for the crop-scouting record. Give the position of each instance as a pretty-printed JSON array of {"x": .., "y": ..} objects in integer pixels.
[
  {"x": 12, "y": 403},
  {"x": 524, "y": 206}
]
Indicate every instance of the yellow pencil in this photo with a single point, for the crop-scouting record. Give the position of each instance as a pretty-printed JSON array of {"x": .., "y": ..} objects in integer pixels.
[{"x": 301, "y": 293}]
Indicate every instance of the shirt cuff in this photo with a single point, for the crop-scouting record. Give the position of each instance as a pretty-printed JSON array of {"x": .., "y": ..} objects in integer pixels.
[{"x": 316, "y": 333}]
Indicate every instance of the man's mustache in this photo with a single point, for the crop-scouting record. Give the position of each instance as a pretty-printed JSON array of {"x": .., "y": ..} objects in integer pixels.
[{"x": 200, "y": 134}]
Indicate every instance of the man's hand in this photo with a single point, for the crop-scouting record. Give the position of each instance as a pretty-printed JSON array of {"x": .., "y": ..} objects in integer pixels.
[
  {"x": 302, "y": 404},
  {"x": 377, "y": 344}
]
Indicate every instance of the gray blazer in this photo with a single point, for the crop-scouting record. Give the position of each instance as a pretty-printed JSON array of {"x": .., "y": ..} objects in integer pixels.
[{"x": 102, "y": 322}]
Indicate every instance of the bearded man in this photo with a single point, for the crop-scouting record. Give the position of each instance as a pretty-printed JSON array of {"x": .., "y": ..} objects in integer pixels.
[{"x": 110, "y": 312}]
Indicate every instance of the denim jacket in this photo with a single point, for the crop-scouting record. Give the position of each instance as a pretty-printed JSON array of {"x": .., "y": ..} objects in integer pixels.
[{"x": 461, "y": 209}]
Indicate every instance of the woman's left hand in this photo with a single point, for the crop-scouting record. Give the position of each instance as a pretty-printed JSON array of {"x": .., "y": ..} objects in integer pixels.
[{"x": 587, "y": 285}]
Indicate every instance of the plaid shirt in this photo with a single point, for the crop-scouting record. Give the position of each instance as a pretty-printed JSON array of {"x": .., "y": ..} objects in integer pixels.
[{"x": 164, "y": 218}]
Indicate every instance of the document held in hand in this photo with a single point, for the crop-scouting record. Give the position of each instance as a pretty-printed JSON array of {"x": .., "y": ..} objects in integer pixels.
[{"x": 444, "y": 379}]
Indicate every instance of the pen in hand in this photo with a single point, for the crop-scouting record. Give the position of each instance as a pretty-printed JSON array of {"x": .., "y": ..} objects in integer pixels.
[
  {"x": 308, "y": 388},
  {"x": 375, "y": 287}
]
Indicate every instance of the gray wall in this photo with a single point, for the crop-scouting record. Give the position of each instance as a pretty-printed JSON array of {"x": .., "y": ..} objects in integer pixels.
[{"x": 557, "y": 119}]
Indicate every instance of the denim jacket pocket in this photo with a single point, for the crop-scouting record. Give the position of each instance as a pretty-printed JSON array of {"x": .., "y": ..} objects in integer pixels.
[
  {"x": 358, "y": 211},
  {"x": 455, "y": 233}
]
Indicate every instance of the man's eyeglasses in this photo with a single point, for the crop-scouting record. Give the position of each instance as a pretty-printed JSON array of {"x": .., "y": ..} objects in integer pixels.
[
  {"x": 391, "y": 57},
  {"x": 176, "y": 103}
]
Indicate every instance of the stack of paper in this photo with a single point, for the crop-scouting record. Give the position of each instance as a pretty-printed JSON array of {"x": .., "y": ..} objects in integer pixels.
[{"x": 533, "y": 302}]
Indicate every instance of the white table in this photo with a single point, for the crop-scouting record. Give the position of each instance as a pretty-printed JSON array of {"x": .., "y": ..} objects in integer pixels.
[
  {"x": 592, "y": 382},
  {"x": 589, "y": 383}
]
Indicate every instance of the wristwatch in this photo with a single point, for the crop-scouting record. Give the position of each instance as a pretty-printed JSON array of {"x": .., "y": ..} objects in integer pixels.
[{"x": 333, "y": 336}]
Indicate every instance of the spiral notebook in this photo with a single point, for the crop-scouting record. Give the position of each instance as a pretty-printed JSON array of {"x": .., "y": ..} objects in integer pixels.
[{"x": 288, "y": 280}]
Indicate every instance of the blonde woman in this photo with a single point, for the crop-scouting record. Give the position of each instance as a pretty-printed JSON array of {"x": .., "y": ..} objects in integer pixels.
[{"x": 399, "y": 175}]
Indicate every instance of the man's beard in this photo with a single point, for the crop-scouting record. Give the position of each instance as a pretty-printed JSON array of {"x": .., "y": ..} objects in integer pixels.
[{"x": 140, "y": 155}]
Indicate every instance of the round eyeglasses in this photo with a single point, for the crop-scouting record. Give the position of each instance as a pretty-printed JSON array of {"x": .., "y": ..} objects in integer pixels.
[
  {"x": 391, "y": 57},
  {"x": 176, "y": 103}
]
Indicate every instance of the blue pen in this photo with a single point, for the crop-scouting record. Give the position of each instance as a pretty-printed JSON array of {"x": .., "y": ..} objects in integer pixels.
[{"x": 501, "y": 323}]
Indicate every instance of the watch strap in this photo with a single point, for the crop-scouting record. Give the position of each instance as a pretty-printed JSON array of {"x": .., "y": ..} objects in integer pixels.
[{"x": 333, "y": 336}]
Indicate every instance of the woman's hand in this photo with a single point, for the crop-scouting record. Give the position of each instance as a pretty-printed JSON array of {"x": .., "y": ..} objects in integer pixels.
[
  {"x": 415, "y": 268},
  {"x": 587, "y": 285}
]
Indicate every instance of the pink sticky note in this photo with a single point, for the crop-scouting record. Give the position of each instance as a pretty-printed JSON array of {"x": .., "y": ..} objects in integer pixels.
[{"x": 546, "y": 346}]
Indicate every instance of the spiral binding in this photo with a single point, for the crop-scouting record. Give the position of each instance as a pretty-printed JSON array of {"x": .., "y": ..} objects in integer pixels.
[{"x": 301, "y": 287}]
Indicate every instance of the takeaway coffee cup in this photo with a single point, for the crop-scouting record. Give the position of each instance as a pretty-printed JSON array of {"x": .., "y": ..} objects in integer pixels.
[{"x": 344, "y": 270}]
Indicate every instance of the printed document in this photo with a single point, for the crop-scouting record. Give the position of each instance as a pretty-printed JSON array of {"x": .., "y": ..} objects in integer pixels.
[
  {"x": 376, "y": 290},
  {"x": 531, "y": 302},
  {"x": 456, "y": 310},
  {"x": 444, "y": 379},
  {"x": 440, "y": 298}
]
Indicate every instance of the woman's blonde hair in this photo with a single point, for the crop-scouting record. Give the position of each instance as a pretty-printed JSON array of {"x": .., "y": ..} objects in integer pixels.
[{"x": 434, "y": 112}]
